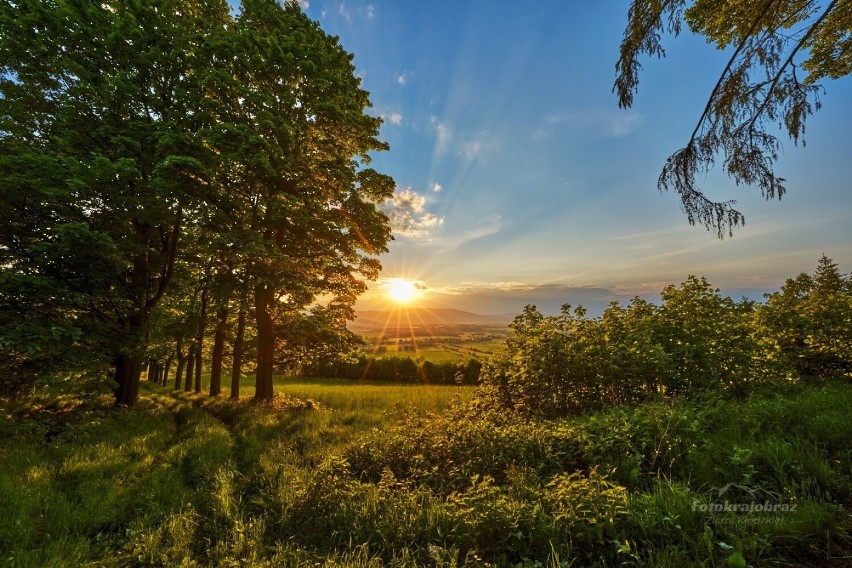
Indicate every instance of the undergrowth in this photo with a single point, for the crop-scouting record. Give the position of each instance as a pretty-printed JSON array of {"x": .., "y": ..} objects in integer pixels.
[{"x": 186, "y": 480}]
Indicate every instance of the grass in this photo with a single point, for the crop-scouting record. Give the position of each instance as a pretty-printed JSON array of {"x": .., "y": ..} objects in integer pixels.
[
  {"x": 333, "y": 473},
  {"x": 347, "y": 397}
]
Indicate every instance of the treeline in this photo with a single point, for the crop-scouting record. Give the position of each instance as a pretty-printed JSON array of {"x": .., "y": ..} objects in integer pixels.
[
  {"x": 179, "y": 179},
  {"x": 363, "y": 367},
  {"x": 695, "y": 341}
]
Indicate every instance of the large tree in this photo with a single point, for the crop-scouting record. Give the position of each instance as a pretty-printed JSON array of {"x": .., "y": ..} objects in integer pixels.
[
  {"x": 102, "y": 160},
  {"x": 299, "y": 139},
  {"x": 127, "y": 127},
  {"x": 779, "y": 51}
]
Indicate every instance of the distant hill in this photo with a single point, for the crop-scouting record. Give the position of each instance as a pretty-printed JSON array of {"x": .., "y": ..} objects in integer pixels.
[{"x": 405, "y": 317}]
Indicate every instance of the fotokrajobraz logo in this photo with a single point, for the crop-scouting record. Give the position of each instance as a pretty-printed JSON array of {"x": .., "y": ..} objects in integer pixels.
[{"x": 744, "y": 500}]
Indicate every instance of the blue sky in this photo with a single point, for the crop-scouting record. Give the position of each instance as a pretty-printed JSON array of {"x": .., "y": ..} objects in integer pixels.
[{"x": 521, "y": 181}]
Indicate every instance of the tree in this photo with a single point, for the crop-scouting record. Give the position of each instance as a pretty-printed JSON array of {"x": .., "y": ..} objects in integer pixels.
[
  {"x": 102, "y": 159},
  {"x": 706, "y": 337},
  {"x": 780, "y": 50},
  {"x": 810, "y": 321},
  {"x": 301, "y": 135},
  {"x": 135, "y": 134}
]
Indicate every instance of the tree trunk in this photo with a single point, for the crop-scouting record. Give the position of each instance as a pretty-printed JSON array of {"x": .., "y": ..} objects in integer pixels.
[
  {"x": 168, "y": 367},
  {"x": 237, "y": 363},
  {"x": 200, "y": 342},
  {"x": 129, "y": 362},
  {"x": 263, "y": 298},
  {"x": 218, "y": 349},
  {"x": 198, "y": 362},
  {"x": 190, "y": 365},
  {"x": 128, "y": 371},
  {"x": 181, "y": 361}
]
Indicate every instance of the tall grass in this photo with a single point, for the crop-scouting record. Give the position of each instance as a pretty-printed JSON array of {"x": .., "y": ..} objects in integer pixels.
[{"x": 378, "y": 475}]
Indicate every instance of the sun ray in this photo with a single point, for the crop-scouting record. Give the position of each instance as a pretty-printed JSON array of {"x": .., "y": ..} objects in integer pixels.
[{"x": 401, "y": 290}]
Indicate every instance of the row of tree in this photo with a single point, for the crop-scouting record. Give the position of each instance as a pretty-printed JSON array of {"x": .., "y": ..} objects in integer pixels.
[
  {"x": 168, "y": 168},
  {"x": 363, "y": 367},
  {"x": 695, "y": 341}
]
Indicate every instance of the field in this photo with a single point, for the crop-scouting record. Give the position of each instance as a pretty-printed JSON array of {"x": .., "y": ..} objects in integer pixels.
[
  {"x": 437, "y": 343},
  {"x": 342, "y": 396},
  {"x": 332, "y": 473}
]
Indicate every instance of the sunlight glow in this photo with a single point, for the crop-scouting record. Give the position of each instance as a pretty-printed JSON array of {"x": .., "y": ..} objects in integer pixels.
[{"x": 401, "y": 291}]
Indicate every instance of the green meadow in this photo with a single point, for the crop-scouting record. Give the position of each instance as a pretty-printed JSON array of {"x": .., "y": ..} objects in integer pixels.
[{"x": 338, "y": 474}]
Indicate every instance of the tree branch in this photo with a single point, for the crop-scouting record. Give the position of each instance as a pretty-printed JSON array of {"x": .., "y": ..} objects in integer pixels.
[{"x": 727, "y": 69}]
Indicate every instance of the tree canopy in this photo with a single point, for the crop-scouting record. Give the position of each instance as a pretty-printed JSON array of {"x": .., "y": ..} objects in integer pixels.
[
  {"x": 139, "y": 140},
  {"x": 780, "y": 50}
]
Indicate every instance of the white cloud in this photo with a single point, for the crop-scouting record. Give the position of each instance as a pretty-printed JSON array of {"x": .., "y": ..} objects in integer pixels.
[
  {"x": 402, "y": 78},
  {"x": 444, "y": 137},
  {"x": 446, "y": 141},
  {"x": 612, "y": 124},
  {"x": 408, "y": 215},
  {"x": 506, "y": 286},
  {"x": 470, "y": 149},
  {"x": 394, "y": 118},
  {"x": 349, "y": 14},
  {"x": 485, "y": 226},
  {"x": 344, "y": 12},
  {"x": 437, "y": 187},
  {"x": 304, "y": 4}
]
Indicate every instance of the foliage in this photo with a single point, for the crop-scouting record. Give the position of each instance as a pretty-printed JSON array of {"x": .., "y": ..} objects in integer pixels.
[
  {"x": 810, "y": 321},
  {"x": 201, "y": 481},
  {"x": 696, "y": 341},
  {"x": 172, "y": 148},
  {"x": 102, "y": 158},
  {"x": 780, "y": 50},
  {"x": 362, "y": 367}
]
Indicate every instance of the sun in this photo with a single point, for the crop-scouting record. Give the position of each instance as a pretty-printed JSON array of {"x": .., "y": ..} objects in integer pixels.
[{"x": 401, "y": 291}]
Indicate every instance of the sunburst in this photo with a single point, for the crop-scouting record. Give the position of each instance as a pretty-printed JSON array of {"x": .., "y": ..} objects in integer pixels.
[{"x": 401, "y": 290}]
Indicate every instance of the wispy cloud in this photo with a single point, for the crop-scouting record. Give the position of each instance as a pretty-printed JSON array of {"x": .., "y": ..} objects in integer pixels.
[
  {"x": 394, "y": 118},
  {"x": 437, "y": 187},
  {"x": 511, "y": 296},
  {"x": 755, "y": 278},
  {"x": 450, "y": 240},
  {"x": 344, "y": 12},
  {"x": 501, "y": 286},
  {"x": 471, "y": 149},
  {"x": 408, "y": 215},
  {"x": 402, "y": 78},
  {"x": 443, "y": 135},
  {"x": 642, "y": 289},
  {"x": 612, "y": 124},
  {"x": 466, "y": 145}
]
